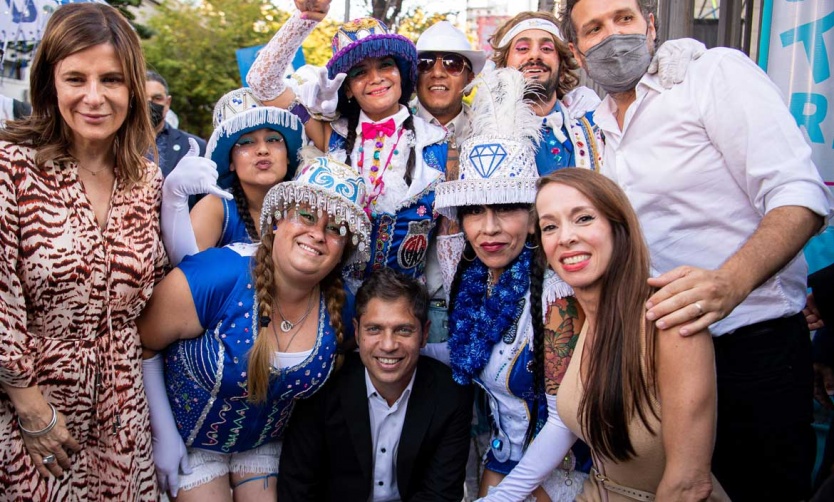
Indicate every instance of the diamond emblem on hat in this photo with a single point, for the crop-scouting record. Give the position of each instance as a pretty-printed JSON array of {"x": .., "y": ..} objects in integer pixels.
[{"x": 486, "y": 159}]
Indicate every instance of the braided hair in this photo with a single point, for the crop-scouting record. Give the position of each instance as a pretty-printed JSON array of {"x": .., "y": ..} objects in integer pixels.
[
  {"x": 260, "y": 357},
  {"x": 243, "y": 209},
  {"x": 537, "y": 268}
]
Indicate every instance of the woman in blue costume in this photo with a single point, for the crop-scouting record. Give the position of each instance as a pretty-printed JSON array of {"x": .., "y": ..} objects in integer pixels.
[
  {"x": 248, "y": 329},
  {"x": 512, "y": 324},
  {"x": 400, "y": 157},
  {"x": 252, "y": 148}
]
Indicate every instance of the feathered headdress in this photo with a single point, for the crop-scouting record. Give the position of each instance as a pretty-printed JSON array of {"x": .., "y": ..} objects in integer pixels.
[{"x": 498, "y": 164}]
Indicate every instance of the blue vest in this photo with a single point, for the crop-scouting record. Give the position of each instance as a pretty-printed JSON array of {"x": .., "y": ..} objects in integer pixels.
[
  {"x": 234, "y": 230},
  {"x": 206, "y": 376},
  {"x": 553, "y": 154},
  {"x": 401, "y": 240}
]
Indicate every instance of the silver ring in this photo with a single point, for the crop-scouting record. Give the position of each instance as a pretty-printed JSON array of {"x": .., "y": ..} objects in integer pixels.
[
  {"x": 49, "y": 459},
  {"x": 700, "y": 309}
]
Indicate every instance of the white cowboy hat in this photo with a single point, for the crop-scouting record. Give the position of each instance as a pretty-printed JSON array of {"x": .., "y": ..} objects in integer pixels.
[{"x": 444, "y": 37}]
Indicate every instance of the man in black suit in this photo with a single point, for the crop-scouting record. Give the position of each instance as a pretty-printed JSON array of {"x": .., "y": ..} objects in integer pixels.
[
  {"x": 391, "y": 424},
  {"x": 171, "y": 143}
]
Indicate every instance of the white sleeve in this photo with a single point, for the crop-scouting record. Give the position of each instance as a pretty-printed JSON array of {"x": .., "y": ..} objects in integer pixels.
[
  {"x": 543, "y": 455},
  {"x": 266, "y": 77}
]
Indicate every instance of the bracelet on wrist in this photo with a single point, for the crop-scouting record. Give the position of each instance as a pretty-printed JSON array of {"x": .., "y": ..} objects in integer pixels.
[
  {"x": 299, "y": 110},
  {"x": 43, "y": 431}
]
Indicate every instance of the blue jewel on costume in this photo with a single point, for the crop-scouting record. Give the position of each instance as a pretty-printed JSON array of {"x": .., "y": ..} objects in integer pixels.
[{"x": 497, "y": 444}]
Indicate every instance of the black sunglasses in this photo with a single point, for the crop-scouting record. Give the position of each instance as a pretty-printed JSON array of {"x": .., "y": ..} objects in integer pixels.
[{"x": 452, "y": 63}]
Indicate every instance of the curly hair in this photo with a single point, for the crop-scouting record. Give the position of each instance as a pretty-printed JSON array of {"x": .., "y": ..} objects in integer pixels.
[{"x": 568, "y": 66}]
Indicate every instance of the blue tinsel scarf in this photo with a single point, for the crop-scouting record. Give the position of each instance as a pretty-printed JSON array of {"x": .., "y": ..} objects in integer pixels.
[{"x": 477, "y": 322}]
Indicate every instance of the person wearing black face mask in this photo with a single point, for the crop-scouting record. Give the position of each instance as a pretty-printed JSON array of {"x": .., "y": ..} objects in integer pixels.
[
  {"x": 171, "y": 143},
  {"x": 725, "y": 189}
]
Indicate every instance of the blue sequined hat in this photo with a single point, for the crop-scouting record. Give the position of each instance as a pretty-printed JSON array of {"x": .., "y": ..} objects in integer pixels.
[
  {"x": 498, "y": 163},
  {"x": 367, "y": 37},
  {"x": 237, "y": 113},
  {"x": 326, "y": 186}
]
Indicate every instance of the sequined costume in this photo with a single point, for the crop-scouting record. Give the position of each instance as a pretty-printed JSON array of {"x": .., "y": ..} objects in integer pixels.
[
  {"x": 568, "y": 143},
  {"x": 403, "y": 221},
  {"x": 206, "y": 376},
  {"x": 234, "y": 230}
]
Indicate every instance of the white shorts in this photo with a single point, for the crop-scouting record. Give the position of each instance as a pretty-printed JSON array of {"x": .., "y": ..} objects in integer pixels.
[{"x": 208, "y": 465}]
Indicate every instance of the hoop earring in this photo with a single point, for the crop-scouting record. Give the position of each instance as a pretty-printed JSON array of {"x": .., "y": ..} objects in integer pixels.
[
  {"x": 463, "y": 255},
  {"x": 528, "y": 246}
]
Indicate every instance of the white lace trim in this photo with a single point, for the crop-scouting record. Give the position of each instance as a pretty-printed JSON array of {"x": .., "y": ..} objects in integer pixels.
[
  {"x": 267, "y": 75},
  {"x": 449, "y": 251}
]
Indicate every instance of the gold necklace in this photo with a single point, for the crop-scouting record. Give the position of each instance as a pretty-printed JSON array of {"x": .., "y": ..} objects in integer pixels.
[{"x": 94, "y": 173}]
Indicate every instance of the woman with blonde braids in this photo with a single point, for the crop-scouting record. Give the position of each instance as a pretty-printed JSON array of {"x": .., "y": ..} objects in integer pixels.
[{"x": 248, "y": 329}]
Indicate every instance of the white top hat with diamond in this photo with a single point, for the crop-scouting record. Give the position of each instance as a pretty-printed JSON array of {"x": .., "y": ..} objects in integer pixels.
[{"x": 498, "y": 165}]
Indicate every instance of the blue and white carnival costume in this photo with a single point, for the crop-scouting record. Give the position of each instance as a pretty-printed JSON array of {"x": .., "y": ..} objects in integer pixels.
[
  {"x": 568, "y": 142},
  {"x": 233, "y": 229},
  {"x": 491, "y": 336},
  {"x": 206, "y": 376},
  {"x": 403, "y": 218}
]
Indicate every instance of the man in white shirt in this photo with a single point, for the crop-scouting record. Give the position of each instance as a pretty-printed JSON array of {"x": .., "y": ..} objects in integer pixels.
[
  {"x": 391, "y": 424},
  {"x": 727, "y": 195}
]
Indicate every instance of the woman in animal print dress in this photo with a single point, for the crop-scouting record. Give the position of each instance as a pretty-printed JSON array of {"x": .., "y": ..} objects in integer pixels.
[{"x": 81, "y": 252}]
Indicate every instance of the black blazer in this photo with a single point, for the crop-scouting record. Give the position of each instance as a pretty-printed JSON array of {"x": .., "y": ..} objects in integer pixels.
[
  {"x": 327, "y": 455},
  {"x": 176, "y": 148}
]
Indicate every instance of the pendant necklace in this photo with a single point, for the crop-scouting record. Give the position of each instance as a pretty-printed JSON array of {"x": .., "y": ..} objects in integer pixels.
[{"x": 287, "y": 325}]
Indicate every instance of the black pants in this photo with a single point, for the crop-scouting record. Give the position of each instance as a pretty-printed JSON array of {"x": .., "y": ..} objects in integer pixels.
[{"x": 765, "y": 444}]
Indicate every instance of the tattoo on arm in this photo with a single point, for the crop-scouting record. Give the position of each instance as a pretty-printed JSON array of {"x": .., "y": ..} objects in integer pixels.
[{"x": 560, "y": 337}]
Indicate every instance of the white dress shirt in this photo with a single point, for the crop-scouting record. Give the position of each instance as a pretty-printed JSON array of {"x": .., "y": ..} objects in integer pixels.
[
  {"x": 386, "y": 429},
  {"x": 703, "y": 162},
  {"x": 457, "y": 129}
]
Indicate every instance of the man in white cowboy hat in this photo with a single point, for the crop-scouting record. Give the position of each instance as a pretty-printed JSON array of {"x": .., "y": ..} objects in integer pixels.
[{"x": 446, "y": 65}]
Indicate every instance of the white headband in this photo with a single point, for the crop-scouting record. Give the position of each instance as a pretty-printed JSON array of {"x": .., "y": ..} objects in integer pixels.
[{"x": 531, "y": 24}]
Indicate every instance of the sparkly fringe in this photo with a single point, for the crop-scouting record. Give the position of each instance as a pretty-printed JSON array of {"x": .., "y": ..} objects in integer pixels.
[
  {"x": 252, "y": 118},
  {"x": 453, "y": 194},
  {"x": 553, "y": 289},
  {"x": 281, "y": 196},
  {"x": 385, "y": 45}
]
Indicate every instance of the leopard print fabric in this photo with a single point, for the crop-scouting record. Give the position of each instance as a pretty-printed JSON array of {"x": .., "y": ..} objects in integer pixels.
[{"x": 69, "y": 296}]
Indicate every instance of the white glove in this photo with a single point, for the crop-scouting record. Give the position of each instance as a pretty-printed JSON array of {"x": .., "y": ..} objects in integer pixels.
[
  {"x": 169, "y": 454},
  {"x": 192, "y": 175},
  {"x": 317, "y": 92},
  {"x": 266, "y": 75},
  {"x": 672, "y": 59},
  {"x": 580, "y": 101}
]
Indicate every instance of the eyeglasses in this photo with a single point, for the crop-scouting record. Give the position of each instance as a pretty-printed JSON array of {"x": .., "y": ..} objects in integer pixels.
[{"x": 452, "y": 63}]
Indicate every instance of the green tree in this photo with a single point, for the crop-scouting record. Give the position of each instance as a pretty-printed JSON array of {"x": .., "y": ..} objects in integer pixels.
[
  {"x": 194, "y": 45},
  {"x": 142, "y": 30},
  {"x": 416, "y": 21}
]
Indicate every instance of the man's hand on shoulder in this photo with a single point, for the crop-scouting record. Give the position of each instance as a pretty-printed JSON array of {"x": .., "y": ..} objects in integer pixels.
[{"x": 693, "y": 298}]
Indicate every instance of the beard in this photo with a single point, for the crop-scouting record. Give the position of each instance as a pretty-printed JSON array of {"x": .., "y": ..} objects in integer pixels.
[{"x": 541, "y": 92}]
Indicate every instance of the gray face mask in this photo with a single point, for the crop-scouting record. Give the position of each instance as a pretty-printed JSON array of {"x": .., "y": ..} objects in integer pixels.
[{"x": 618, "y": 62}]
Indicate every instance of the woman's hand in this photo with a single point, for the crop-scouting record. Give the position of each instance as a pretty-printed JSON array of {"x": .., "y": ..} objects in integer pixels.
[
  {"x": 313, "y": 10},
  {"x": 53, "y": 445}
]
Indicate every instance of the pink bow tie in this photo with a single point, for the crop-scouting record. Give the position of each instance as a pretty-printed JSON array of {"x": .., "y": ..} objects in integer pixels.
[{"x": 386, "y": 128}]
